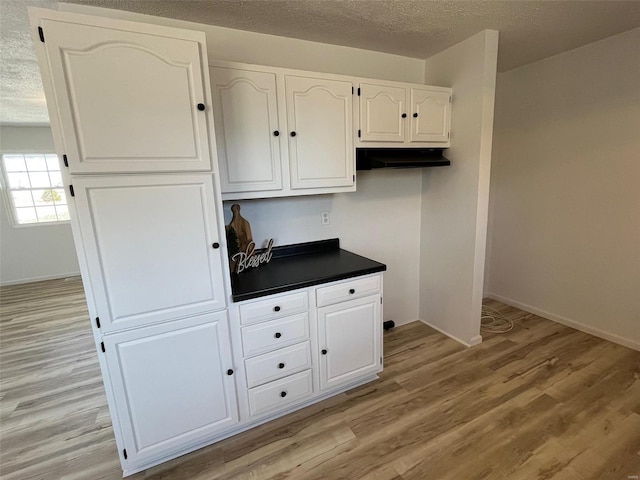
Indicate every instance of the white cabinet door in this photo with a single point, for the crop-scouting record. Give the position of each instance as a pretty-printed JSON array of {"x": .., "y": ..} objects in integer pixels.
[
  {"x": 430, "y": 115},
  {"x": 130, "y": 97},
  {"x": 149, "y": 244},
  {"x": 349, "y": 336},
  {"x": 247, "y": 131},
  {"x": 171, "y": 384},
  {"x": 381, "y": 113},
  {"x": 320, "y": 124}
]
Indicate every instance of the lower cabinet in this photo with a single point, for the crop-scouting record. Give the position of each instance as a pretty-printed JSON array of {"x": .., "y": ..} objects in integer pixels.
[
  {"x": 173, "y": 384},
  {"x": 349, "y": 340},
  {"x": 185, "y": 383}
]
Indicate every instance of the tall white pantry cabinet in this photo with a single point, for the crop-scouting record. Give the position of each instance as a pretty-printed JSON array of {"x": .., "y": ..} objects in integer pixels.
[{"x": 130, "y": 109}]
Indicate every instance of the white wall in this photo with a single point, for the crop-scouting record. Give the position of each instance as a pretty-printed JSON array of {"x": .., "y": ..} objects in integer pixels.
[
  {"x": 455, "y": 199},
  {"x": 565, "y": 195},
  {"x": 381, "y": 220},
  {"x": 36, "y": 252}
]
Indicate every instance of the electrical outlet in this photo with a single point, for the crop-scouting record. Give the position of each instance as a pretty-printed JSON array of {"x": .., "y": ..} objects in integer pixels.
[{"x": 324, "y": 218}]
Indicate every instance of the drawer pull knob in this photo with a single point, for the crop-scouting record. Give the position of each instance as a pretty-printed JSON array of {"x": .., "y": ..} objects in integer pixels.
[
  {"x": 276, "y": 308},
  {"x": 324, "y": 351},
  {"x": 278, "y": 335},
  {"x": 283, "y": 394},
  {"x": 215, "y": 245},
  {"x": 281, "y": 365},
  {"x": 352, "y": 291},
  {"x": 229, "y": 372},
  {"x": 201, "y": 107},
  {"x": 415, "y": 115},
  {"x": 276, "y": 133}
]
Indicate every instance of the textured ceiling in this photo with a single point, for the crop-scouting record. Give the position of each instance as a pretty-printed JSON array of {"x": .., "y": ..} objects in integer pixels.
[{"x": 529, "y": 30}]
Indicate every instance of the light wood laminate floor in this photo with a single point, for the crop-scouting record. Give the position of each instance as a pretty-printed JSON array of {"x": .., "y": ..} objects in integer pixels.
[{"x": 541, "y": 402}]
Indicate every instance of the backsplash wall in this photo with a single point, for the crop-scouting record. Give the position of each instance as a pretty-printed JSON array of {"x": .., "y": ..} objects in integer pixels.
[{"x": 381, "y": 220}]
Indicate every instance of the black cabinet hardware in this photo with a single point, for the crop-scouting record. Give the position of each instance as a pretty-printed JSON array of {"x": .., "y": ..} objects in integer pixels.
[
  {"x": 283, "y": 394},
  {"x": 324, "y": 352},
  {"x": 41, "y": 34},
  {"x": 215, "y": 245},
  {"x": 276, "y": 133},
  {"x": 352, "y": 291},
  {"x": 281, "y": 365},
  {"x": 276, "y": 308},
  {"x": 278, "y": 335},
  {"x": 201, "y": 106},
  {"x": 229, "y": 372},
  {"x": 404, "y": 115},
  {"x": 293, "y": 134},
  {"x": 415, "y": 115}
]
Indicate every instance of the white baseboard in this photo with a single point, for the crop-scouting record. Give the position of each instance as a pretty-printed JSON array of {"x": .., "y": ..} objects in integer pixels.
[
  {"x": 472, "y": 341},
  {"x": 39, "y": 279},
  {"x": 612, "y": 337}
]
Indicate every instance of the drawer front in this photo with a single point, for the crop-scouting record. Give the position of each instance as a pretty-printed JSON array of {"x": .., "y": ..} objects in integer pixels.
[
  {"x": 273, "y": 307},
  {"x": 274, "y": 365},
  {"x": 276, "y": 395},
  {"x": 356, "y": 288},
  {"x": 268, "y": 336}
]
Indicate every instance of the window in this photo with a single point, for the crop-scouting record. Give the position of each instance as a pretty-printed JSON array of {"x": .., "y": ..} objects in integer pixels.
[{"x": 34, "y": 188}]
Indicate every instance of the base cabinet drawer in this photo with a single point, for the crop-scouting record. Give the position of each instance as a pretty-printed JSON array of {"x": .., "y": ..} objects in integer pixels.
[
  {"x": 348, "y": 290},
  {"x": 267, "y": 336},
  {"x": 274, "y": 365},
  {"x": 276, "y": 395}
]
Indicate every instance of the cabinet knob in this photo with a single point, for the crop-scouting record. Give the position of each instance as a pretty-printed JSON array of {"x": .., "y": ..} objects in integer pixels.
[
  {"x": 283, "y": 394},
  {"x": 278, "y": 335},
  {"x": 324, "y": 351},
  {"x": 415, "y": 115},
  {"x": 229, "y": 372},
  {"x": 281, "y": 365},
  {"x": 215, "y": 245},
  {"x": 276, "y": 308},
  {"x": 201, "y": 106},
  {"x": 352, "y": 291},
  {"x": 276, "y": 133},
  {"x": 293, "y": 134},
  {"x": 404, "y": 115}
]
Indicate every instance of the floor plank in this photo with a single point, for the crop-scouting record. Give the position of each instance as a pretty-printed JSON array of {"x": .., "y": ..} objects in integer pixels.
[{"x": 542, "y": 401}]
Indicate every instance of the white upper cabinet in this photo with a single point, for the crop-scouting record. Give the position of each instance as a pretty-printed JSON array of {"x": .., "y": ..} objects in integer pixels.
[
  {"x": 404, "y": 115},
  {"x": 320, "y": 123},
  {"x": 247, "y": 131},
  {"x": 173, "y": 384},
  {"x": 131, "y": 97},
  {"x": 430, "y": 115},
  {"x": 152, "y": 247},
  {"x": 382, "y": 113},
  {"x": 282, "y": 132}
]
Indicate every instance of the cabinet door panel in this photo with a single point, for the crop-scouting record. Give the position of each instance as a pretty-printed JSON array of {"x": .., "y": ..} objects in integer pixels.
[
  {"x": 381, "y": 110},
  {"x": 170, "y": 383},
  {"x": 246, "y": 115},
  {"x": 432, "y": 122},
  {"x": 319, "y": 111},
  {"x": 148, "y": 242},
  {"x": 350, "y": 333},
  {"x": 127, "y": 101}
]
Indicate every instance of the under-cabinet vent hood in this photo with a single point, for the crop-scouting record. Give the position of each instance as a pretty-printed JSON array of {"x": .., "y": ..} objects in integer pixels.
[{"x": 368, "y": 158}]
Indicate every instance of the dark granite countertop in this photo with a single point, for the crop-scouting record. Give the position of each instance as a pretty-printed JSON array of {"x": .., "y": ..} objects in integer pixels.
[{"x": 299, "y": 266}]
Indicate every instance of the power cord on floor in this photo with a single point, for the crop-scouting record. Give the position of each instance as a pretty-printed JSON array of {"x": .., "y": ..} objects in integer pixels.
[{"x": 492, "y": 321}]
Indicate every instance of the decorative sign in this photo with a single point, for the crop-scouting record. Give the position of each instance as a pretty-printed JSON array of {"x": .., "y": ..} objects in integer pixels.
[{"x": 251, "y": 259}]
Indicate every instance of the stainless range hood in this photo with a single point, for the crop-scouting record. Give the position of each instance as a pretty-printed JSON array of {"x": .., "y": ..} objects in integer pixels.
[{"x": 370, "y": 158}]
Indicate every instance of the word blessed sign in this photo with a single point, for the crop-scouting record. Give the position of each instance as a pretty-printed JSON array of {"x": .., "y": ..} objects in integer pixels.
[{"x": 251, "y": 259}]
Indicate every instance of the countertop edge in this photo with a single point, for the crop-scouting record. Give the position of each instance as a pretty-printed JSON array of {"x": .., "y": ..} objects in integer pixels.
[{"x": 310, "y": 283}]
